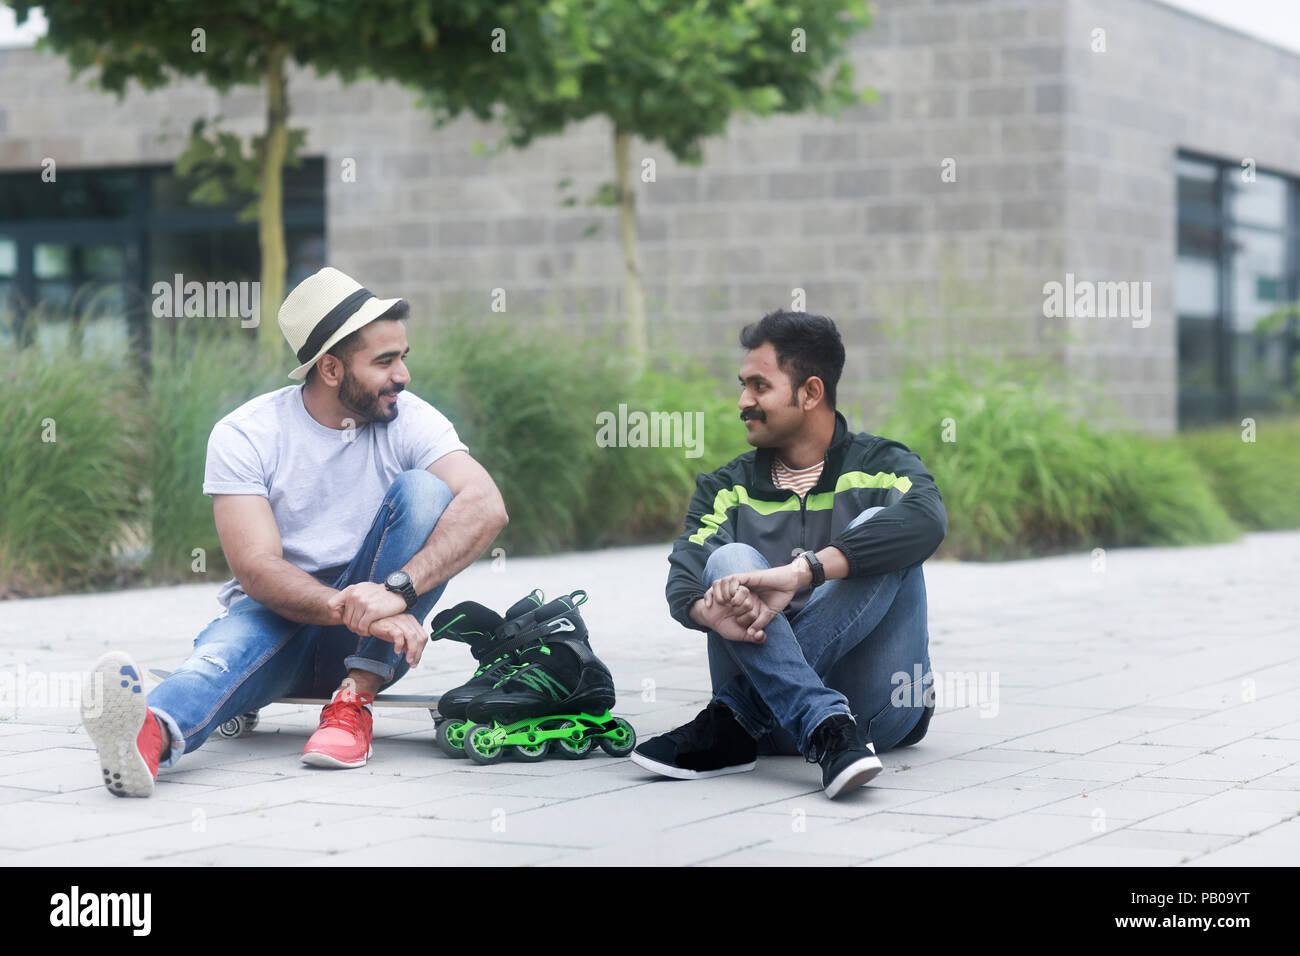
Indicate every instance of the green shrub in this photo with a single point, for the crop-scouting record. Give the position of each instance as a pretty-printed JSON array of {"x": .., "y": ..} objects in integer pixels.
[
  {"x": 515, "y": 398},
  {"x": 66, "y": 501},
  {"x": 199, "y": 376},
  {"x": 639, "y": 494},
  {"x": 1025, "y": 476},
  {"x": 1258, "y": 482},
  {"x": 526, "y": 399}
]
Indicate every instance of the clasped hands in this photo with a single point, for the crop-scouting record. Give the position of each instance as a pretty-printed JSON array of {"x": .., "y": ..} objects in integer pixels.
[
  {"x": 371, "y": 610},
  {"x": 740, "y": 606}
]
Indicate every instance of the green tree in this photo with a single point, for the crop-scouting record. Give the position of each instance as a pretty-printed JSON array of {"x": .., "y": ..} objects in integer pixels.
[
  {"x": 238, "y": 42},
  {"x": 665, "y": 71}
]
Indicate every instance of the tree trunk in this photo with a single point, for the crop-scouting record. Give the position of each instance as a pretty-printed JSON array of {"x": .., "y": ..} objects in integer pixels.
[
  {"x": 270, "y": 215},
  {"x": 633, "y": 297}
]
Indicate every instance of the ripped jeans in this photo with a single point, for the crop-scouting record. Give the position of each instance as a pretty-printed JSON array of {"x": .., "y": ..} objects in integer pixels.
[
  {"x": 250, "y": 656},
  {"x": 859, "y": 646}
]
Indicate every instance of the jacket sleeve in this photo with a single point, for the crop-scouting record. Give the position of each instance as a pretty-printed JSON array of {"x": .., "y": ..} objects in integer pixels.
[
  {"x": 905, "y": 533},
  {"x": 708, "y": 526}
]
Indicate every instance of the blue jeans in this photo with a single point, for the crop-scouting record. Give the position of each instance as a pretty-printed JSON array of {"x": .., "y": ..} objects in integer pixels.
[
  {"x": 859, "y": 646},
  {"x": 250, "y": 656}
]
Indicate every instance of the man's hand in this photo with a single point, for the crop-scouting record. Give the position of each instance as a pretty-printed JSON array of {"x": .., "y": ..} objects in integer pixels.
[
  {"x": 405, "y": 633},
  {"x": 361, "y": 605},
  {"x": 719, "y": 617},
  {"x": 754, "y": 598}
]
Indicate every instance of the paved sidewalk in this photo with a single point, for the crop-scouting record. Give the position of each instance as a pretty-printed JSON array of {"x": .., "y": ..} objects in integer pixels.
[{"x": 1147, "y": 713}]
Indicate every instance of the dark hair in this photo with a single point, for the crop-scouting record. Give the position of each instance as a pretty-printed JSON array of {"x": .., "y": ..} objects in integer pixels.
[
  {"x": 350, "y": 343},
  {"x": 806, "y": 345}
]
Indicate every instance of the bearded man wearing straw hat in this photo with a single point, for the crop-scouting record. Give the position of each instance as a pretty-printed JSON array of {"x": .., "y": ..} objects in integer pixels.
[{"x": 344, "y": 506}]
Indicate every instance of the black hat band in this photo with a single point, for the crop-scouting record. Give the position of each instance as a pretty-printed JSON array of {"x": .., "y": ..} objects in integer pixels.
[{"x": 332, "y": 322}]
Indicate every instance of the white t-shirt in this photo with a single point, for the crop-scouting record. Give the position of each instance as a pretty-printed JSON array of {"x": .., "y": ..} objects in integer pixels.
[{"x": 324, "y": 485}]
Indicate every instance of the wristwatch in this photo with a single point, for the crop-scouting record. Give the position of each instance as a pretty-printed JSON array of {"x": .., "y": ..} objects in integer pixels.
[
  {"x": 399, "y": 582},
  {"x": 818, "y": 569}
]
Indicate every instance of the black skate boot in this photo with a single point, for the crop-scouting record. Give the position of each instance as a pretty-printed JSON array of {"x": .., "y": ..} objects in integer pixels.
[
  {"x": 557, "y": 692},
  {"x": 481, "y": 628}
]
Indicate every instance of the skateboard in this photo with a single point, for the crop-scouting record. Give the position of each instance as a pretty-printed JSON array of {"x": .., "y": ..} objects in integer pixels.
[{"x": 243, "y": 724}]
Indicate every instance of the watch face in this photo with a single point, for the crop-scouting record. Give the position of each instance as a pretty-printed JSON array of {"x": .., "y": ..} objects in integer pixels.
[{"x": 398, "y": 579}]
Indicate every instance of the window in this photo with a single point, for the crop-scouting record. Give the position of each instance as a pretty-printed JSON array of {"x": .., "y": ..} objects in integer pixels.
[
  {"x": 80, "y": 256},
  {"x": 1236, "y": 286}
]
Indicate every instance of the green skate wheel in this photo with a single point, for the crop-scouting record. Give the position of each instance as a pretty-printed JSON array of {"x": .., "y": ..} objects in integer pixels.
[
  {"x": 622, "y": 742},
  {"x": 450, "y": 737},
  {"x": 568, "y": 748},
  {"x": 479, "y": 747},
  {"x": 533, "y": 752}
]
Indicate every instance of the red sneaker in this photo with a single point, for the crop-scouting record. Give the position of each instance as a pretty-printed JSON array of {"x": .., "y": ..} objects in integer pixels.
[
  {"x": 343, "y": 738},
  {"x": 125, "y": 732}
]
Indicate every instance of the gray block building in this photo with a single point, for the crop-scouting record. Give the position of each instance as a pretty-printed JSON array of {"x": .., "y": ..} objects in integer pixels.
[{"x": 1112, "y": 185}]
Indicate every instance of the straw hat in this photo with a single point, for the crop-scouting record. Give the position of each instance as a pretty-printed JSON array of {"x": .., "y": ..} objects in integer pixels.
[{"x": 325, "y": 308}]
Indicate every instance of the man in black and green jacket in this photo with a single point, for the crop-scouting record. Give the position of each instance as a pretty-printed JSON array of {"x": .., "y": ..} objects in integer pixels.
[{"x": 801, "y": 560}]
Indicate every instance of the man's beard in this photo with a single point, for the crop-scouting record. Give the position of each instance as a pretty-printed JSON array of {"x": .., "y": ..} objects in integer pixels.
[{"x": 366, "y": 406}]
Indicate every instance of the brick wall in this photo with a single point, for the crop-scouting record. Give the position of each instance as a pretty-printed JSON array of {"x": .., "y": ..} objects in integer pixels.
[{"x": 1064, "y": 162}]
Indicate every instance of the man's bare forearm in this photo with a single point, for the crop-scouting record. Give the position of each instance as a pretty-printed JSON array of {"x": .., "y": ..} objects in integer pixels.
[
  {"x": 462, "y": 533},
  {"x": 289, "y": 591}
]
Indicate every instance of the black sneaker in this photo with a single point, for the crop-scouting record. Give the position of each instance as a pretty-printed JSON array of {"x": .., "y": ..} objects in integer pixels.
[
  {"x": 846, "y": 763},
  {"x": 710, "y": 745}
]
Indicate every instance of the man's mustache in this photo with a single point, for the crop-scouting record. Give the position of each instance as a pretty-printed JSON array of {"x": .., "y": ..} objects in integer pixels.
[{"x": 752, "y": 414}]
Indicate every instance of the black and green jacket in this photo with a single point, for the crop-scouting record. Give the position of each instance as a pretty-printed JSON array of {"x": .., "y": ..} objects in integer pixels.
[{"x": 739, "y": 503}]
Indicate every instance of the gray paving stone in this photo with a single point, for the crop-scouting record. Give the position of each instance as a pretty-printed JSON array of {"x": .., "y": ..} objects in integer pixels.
[
  {"x": 1125, "y": 676},
  {"x": 1189, "y": 844},
  {"x": 1275, "y": 846},
  {"x": 64, "y": 738},
  {"x": 906, "y": 821},
  {"x": 1089, "y": 854},
  {"x": 1042, "y": 833},
  {"x": 1212, "y": 766},
  {"x": 948, "y": 854},
  {"x": 477, "y": 808},
  {"x": 361, "y": 831},
  {"x": 1285, "y": 780},
  {"x": 1235, "y": 811},
  {"x": 1089, "y": 769},
  {"x": 1028, "y": 758},
  {"x": 236, "y": 854},
  {"x": 242, "y": 827},
  {"x": 1254, "y": 855},
  {"x": 982, "y": 802},
  {"x": 848, "y": 839},
  {"x": 948, "y": 775},
  {"x": 1143, "y": 753},
  {"x": 437, "y": 851},
  {"x": 34, "y": 823},
  {"x": 1174, "y": 785},
  {"x": 763, "y": 856},
  {"x": 867, "y": 801},
  {"x": 19, "y": 794},
  {"x": 1119, "y": 804}
]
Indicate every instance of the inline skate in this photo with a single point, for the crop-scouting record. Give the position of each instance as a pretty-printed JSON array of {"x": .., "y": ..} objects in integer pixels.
[
  {"x": 479, "y": 627},
  {"x": 553, "y": 693}
]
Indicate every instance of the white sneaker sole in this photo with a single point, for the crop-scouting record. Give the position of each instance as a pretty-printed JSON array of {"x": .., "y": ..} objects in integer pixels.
[
  {"x": 856, "y": 774},
  {"x": 316, "y": 759},
  {"x": 681, "y": 773},
  {"x": 113, "y": 710}
]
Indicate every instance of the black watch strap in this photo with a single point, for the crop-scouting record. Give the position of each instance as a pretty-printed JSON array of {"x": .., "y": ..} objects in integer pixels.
[{"x": 818, "y": 569}]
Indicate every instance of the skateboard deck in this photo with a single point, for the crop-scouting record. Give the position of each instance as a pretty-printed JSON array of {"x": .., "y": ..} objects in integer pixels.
[
  {"x": 244, "y": 723},
  {"x": 381, "y": 700}
]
